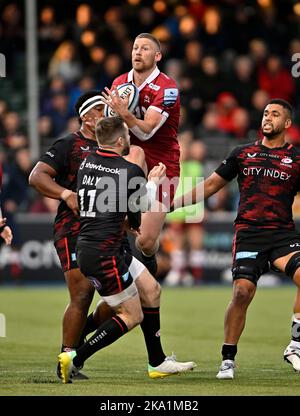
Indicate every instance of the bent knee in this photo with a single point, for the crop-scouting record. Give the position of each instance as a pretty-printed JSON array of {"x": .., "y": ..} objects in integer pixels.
[
  {"x": 133, "y": 320},
  {"x": 82, "y": 296},
  {"x": 139, "y": 318},
  {"x": 156, "y": 290},
  {"x": 150, "y": 298},
  {"x": 82, "y": 301},
  {"x": 148, "y": 242},
  {"x": 243, "y": 295}
]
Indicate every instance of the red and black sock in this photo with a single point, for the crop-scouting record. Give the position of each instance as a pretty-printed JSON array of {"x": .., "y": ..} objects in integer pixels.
[
  {"x": 90, "y": 326},
  {"x": 106, "y": 334}
]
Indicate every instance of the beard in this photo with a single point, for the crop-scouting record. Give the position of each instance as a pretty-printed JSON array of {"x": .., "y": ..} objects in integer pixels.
[
  {"x": 141, "y": 67},
  {"x": 270, "y": 134}
]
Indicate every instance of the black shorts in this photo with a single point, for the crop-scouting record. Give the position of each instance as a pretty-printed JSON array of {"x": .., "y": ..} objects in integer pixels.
[
  {"x": 66, "y": 251},
  {"x": 258, "y": 249},
  {"x": 109, "y": 274}
]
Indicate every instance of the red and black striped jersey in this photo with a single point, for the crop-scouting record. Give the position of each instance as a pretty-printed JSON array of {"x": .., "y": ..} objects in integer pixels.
[
  {"x": 65, "y": 157},
  {"x": 268, "y": 181},
  {"x": 107, "y": 186}
]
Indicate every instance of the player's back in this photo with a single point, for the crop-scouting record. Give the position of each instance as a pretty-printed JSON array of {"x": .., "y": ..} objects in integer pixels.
[
  {"x": 104, "y": 181},
  {"x": 65, "y": 156}
]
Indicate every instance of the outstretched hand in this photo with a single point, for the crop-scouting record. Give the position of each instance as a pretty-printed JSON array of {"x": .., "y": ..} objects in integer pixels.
[
  {"x": 157, "y": 173},
  {"x": 6, "y": 234},
  {"x": 114, "y": 101}
]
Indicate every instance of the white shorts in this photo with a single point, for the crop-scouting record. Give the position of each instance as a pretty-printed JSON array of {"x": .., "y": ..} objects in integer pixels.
[{"x": 136, "y": 268}]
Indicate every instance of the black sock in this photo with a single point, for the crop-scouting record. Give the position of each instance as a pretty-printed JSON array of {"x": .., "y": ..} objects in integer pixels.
[
  {"x": 105, "y": 335},
  {"x": 151, "y": 327},
  {"x": 90, "y": 326},
  {"x": 229, "y": 351}
]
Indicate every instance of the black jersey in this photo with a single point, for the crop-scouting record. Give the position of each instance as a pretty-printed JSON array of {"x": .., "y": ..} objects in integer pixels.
[
  {"x": 65, "y": 157},
  {"x": 268, "y": 181},
  {"x": 107, "y": 184}
]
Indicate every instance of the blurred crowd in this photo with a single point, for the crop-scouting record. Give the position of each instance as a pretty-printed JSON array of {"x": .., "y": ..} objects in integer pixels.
[{"x": 229, "y": 57}]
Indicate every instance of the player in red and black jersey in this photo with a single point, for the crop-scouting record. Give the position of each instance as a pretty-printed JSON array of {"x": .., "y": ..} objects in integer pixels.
[
  {"x": 99, "y": 242},
  {"x": 268, "y": 174},
  {"x": 154, "y": 127},
  {"x": 55, "y": 176},
  {"x": 110, "y": 189}
]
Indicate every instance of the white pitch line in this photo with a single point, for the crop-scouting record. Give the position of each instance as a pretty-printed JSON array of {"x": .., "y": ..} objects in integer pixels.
[{"x": 23, "y": 371}]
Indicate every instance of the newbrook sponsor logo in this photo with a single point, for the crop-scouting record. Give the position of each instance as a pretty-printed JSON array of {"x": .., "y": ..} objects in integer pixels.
[{"x": 101, "y": 168}]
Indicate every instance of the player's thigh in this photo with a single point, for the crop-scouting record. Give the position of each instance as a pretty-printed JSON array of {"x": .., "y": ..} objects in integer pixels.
[
  {"x": 109, "y": 274},
  {"x": 130, "y": 311},
  {"x": 149, "y": 289},
  {"x": 250, "y": 255},
  {"x": 152, "y": 223},
  {"x": 66, "y": 251},
  {"x": 290, "y": 265},
  {"x": 285, "y": 255},
  {"x": 78, "y": 284},
  {"x": 281, "y": 262}
]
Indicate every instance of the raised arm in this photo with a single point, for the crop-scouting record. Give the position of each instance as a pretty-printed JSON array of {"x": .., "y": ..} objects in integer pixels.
[
  {"x": 201, "y": 191},
  {"x": 142, "y": 129}
]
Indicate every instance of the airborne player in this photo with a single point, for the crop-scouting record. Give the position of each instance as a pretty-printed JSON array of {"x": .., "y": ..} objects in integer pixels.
[{"x": 154, "y": 127}]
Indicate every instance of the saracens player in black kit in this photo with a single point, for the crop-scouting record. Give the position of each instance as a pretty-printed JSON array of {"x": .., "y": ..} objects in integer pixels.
[
  {"x": 106, "y": 187},
  {"x": 103, "y": 187},
  {"x": 268, "y": 174},
  {"x": 61, "y": 162}
]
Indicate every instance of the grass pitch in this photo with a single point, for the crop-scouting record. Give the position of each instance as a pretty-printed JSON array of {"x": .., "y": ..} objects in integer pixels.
[{"x": 191, "y": 325}]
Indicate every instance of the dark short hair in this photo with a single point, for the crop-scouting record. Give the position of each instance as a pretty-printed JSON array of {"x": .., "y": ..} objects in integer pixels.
[
  {"x": 109, "y": 129},
  {"x": 84, "y": 97},
  {"x": 151, "y": 37},
  {"x": 285, "y": 104}
]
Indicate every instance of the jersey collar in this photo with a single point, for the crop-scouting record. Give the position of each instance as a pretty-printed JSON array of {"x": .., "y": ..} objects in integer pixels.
[
  {"x": 285, "y": 146},
  {"x": 154, "y": 74},
  {"x": 79, "y": 133},
  {"x": 108, "y": 153}
]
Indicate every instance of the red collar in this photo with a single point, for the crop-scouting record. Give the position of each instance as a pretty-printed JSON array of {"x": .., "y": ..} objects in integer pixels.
[{"x": 107, "y": 153}]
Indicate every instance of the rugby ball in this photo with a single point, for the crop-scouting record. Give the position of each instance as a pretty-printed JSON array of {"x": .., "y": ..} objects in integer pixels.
[{"x": 125, "y": 90}]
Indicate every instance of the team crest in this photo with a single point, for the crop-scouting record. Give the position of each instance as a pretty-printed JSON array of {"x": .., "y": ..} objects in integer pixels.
[{"x": 147, "y": 99}]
